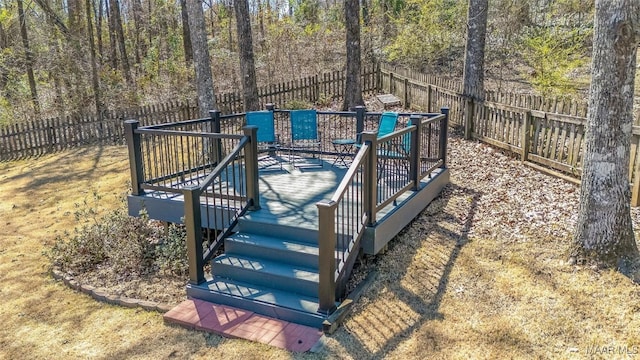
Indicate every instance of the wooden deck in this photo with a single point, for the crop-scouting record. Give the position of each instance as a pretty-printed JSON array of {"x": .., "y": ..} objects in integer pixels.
[{"x": 288, "y": 196}]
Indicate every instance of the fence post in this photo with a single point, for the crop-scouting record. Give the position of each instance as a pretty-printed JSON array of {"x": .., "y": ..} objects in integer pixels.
[
  {"x": 371, "y": 177},
  {"x": 525, "y": 140},
  {"x": 326, "y": 256},
  {"x": 444, "y": 129},
  {"x": 360, "y": 114},
  {"x": 429, "y": 95},
  {"x": 251, "y": 166},
  {"x": 193, "y": 223},
  {"x": 406, "y": 92},
  {"x": 216, "y": 149},
  {"x": 468, "y": 117},
  {"x": 390, "y": 82},
  {"x": 378, "y": 77},
  {"x": 135, "y": 155},
  {"x": 416, "y": 147}
]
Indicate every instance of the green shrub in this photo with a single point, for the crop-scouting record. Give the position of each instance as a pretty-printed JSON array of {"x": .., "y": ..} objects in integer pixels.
[{"x": 171, "y": 252}]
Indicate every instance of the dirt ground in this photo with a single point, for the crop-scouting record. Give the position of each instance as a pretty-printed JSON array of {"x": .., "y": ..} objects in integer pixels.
[{"x": 481, "y": 273}]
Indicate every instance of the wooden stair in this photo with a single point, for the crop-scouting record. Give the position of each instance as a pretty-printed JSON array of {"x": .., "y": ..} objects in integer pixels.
[{"x": 268, "y": 268}]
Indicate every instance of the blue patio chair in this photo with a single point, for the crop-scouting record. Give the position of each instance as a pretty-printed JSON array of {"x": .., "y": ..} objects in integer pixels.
[
  {"x": 386, "y": 126},
  {"x": 267, "y": 138},
  {"x": 305, "y": 136}
]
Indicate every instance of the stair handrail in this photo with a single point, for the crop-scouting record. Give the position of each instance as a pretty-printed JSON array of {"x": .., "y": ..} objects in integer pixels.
[
  {"x": 245, "y": 167},
  {"x": 341, "y": 223}
]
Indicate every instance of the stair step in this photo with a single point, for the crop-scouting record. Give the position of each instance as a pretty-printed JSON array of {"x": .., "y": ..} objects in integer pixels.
[
  {"x": 260, "y": 299},
  {"x": 273, "y": 249},
  {"x": 288, "y": 277},
  {"x": 251, "y": 223}
]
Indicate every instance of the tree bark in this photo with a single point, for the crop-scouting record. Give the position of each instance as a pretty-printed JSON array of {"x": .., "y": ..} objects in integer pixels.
[
  {"x": 473, "y": 75},
  {"x": 117, "y": 22},
  {"x": 247, "y": 65},
  {"x": 604, "y": 231},
  {"x": 29, "y": 59},
  {"x": 186, "y": 34},
  {"x": 201, "y": 60},
  {"x": 353, "y": 84},
  {"x": 113, "y": 44},
  {"x": 95, "y": 81}
]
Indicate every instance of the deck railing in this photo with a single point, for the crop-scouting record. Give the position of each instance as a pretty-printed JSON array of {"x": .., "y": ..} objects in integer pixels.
[
  {"x": 382, "y": 171},
  {"x": 215, "y": 172},
  {"x": 342, "y": 221}
]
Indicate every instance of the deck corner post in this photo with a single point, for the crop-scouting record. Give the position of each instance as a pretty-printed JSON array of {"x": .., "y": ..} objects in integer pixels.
[
  {"x": 371, "y": 177},
  {"x": 251, "y": 165},
  {"x": 468, "y": 117},
  {"x": 326, "y": 256},
  {"x": 193, "y": 224},
  {"x": 135, "y": 155},
  {"x": 416, "y": 147},
  {"x": 444, "y": 130},
  {"x": 360, "y": 115}
]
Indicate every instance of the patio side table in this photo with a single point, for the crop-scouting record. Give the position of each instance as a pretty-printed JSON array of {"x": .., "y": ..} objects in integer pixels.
[{"x": 344, "y": 148}]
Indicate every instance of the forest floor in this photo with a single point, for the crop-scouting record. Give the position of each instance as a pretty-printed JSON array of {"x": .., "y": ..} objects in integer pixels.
[{"x": 481, "y": 273}]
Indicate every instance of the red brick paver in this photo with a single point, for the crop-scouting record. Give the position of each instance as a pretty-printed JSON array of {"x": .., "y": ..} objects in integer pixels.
[{"x": 236, "y": 323}]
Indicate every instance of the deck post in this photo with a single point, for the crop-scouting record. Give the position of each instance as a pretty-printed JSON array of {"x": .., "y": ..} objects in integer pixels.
[
  {"x": 216, "y": 149},
  {"x": 371, "y": 177},
  {"x": 135, "y": 155},
  {"x": 193, "y": 223},
  {"x": 416, "y": 150},
  {"x": 251, "y": 166},
  {"x": 360, "y": 114},
  {"x": 326, "y": 256},
  {"x": 444, "y": 129}
]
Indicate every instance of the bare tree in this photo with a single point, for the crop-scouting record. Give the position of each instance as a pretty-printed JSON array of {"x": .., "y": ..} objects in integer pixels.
[
  {"x": 114, "y": 8},
  {"x": 29, "y": 58},
  {"x": 95, "y": 81},
  {"x": 201, "y": 61},
  {"x": 353, "y": 84},
  {"x": 473, "y": 76},
  {"x": 604, "y": 232},
  {"x": 186, "y": 34},
  {"x": 247, "y": 65}
]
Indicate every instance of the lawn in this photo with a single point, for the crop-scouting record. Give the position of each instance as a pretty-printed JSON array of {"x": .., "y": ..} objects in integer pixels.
[{"x": 482, "y": 273}]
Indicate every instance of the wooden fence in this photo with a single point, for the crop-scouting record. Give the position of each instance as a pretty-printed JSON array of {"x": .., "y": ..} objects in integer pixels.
[
  {"x": 547, "y": 134},
  {"x": 41, "y": 136}
]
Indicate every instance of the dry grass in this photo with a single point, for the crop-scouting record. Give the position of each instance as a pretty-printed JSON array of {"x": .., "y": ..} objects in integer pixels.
[{"x": 475, "y": 276}]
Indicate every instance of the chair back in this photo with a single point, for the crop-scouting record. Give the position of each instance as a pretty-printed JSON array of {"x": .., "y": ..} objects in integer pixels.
[
  {"x": 387, "y": 123},
  {"x": 304, "y": 125},
  {"x": 264, "y": 121}
]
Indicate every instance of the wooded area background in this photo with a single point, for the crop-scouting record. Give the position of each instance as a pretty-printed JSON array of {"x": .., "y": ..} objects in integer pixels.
[{"x": 79, "y": 57}]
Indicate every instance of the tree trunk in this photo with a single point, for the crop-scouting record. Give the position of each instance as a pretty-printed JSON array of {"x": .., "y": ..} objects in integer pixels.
[
  {"x": 201, "y": 60},
  {"x": 473, "y": 77},
  {"x": 95, "y": 81},
  {"x": 29, "y": 59},
  {"x": 353, "y": 84},
  {"x": 113, "y": 51},
  {"x": 4, "y": 72},
  {"x": 99, "y": 32},
  {"x": 604, "y": 231},
  {"x": 186, "y": 34},
  {"x": 247, "y": 66},
  {"x": 140, "y": 24},
  {"x": 117, "y": 22}
]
